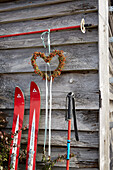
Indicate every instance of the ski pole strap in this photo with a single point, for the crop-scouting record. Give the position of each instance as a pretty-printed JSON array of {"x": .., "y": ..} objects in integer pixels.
[
  {"x": 46, "y": 116},
  {"x": 74, "y": 118},
  {"x": 70, "y": 100},
  {"x": 50, "y": 110}
]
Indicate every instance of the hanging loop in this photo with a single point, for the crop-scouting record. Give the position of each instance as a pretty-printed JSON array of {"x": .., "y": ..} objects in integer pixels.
[
  {"x": 42, "y": 38},
  {"x": 50, "y": 107}
]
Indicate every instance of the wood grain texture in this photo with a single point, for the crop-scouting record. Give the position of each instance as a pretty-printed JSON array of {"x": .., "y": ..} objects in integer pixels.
[
  {"x": 80, "y": 73},
  {"x": 87, "y": 139},
  {"x": 111, "y": 114},
  {"x": 111, "y": 22},
  {"x": 85, "y": 87},
  {"x": 39, "y": 167},
  {"x": 59, "y": 138},
  {"x": 55, "y": 10},
  {"x": 111, "y": 90},
  {"x": 85, "y": 157},
  {"x": 57, "y": 39},
  {"x": 87, "y": 120},
  {"x": 19, "y": 4},
  {"x": 104, "y": 84},
  {"x": 21, "y": 166},
  {"x": 110, "y": 62},
  {"x": 34, "y": 25},
  {"x": 78, "y": 58},
  {"x": 110, "y": 48},
  {"x": 111, "y": 149}
]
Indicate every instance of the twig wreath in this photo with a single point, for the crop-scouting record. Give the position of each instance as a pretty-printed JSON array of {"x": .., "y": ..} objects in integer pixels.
[{"x": 48, "y": 59}]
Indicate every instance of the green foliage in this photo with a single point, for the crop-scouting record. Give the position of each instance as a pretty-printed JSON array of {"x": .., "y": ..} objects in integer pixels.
[
  {"x": 5, "y": 145},
  {"x": 48, "y": 163},
  {"x": 5, "y": 141}
]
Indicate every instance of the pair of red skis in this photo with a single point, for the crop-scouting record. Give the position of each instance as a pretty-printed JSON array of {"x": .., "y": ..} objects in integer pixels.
[{"x": 17, "y": 126}]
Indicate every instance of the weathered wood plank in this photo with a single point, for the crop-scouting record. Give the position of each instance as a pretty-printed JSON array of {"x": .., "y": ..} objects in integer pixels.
[
  {"x": 111, "y": 91},
  {"x": 111, "y": 152},
  {"x": 57, "y": 39},
  {"x": 62, "y": 9},
  {"x": 110, "y": 95},
  {"x": 111, "y": 114},
  {"x": 111, "y": 48},
  {"x": 104, "y": 85},
  {"x": 85, "y": 87},
  {"x": 110, "y": 62},
  {"x": 111, "y": 22},
  {"x": 84, "y": 84},
  {"x": 17, "y": 5},
  {"x": 39, "y": 167},
  {"x": 87, "y": 139},
  {"x": 78, "y": 58},
  {"x": 33, "y": 25},
  {"x": 2, "y": 1},
  {"x": 111, "y": 149},
  {"x": 87, "y": 120},
  {"x": 84, "y": 157},
  {"x": 59, "y": 138},
  {"x": 111, "y": 44}
]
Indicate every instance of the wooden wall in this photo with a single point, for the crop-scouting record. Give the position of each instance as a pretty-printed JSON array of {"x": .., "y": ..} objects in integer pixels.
[
  {"x": 111, "y": 85},
  {"x": 80, "y": 74}
]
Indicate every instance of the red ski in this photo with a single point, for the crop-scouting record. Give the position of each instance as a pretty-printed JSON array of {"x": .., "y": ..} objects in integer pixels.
[
  {"x": 16, "y": 128},
  {"x": 33, "y": 126}
]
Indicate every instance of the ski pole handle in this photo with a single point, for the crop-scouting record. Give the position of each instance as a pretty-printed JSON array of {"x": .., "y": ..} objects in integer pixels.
[{"x": 69, "y": 106}]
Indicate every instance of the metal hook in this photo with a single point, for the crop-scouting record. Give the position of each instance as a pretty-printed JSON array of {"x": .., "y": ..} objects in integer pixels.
[
  {"x": 83, "y": 26},
  {"x": 49, "y": 40}
]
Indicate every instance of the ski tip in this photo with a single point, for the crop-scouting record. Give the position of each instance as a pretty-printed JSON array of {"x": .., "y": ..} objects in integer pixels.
[
  {"x": 19, "y": 93},
  {"x": 34, "y": 87}
]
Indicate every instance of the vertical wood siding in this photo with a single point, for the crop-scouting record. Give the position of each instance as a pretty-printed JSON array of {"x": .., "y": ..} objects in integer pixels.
[
  {"x": 111, "y": 85},
  {"x": 79, "y": 75}
]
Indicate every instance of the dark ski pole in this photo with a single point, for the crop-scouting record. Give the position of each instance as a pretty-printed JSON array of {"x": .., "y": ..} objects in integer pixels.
[{"x": 71, "y": 107}]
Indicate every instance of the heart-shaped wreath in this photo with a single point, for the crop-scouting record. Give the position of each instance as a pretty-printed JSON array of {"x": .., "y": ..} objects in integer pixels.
[{"x": 48, "y": 59}]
